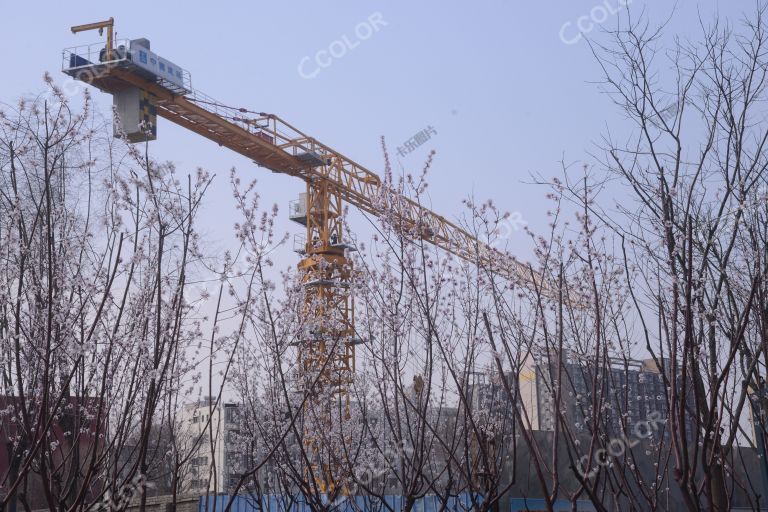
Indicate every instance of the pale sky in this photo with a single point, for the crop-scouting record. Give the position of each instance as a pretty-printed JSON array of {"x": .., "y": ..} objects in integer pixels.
[{"x": 506, "y": 85}]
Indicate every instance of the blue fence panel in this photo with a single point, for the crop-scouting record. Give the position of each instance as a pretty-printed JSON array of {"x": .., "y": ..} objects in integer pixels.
[
  {"x": 536, "y": 505},
  {"x": 281, "y": 503}
]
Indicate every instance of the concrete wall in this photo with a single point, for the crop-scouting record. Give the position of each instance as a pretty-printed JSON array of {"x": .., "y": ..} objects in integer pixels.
[{"x": 164, "y": 504}]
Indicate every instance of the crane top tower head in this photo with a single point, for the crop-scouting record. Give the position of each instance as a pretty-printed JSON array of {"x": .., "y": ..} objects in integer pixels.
[{"x": 100, "y": 26}]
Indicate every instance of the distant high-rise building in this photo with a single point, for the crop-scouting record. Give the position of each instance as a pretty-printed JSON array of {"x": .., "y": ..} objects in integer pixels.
[{"x": 633, "y": 392}]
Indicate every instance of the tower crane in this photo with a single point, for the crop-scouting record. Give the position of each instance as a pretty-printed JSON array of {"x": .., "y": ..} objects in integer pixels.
[{"x": 145, "y": 85}]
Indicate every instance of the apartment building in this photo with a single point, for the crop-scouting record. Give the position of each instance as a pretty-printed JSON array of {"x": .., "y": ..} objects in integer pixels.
[
  {"x": 212, "y": 433},
  {"x": 632, "y": 392}
]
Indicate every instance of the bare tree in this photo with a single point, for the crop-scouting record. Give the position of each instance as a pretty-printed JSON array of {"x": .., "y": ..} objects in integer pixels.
[{"x": 96, "y": 241}]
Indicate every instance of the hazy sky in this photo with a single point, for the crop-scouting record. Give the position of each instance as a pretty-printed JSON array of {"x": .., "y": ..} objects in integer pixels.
[{"x": 505, "y": 84}]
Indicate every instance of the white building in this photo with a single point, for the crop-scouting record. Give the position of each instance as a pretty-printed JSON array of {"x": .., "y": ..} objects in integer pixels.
[{"x": 211, "y": 433}]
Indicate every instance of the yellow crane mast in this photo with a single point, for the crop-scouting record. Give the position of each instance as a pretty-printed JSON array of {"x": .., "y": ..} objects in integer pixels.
[{"x": 145, "y": 85}]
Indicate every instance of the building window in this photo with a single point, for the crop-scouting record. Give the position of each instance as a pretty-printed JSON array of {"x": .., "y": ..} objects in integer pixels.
[
  {"x": 233, "y": 480},
  {"x": 199, "y": 461},
  {"x": 233, "y": 460},
  {"x": 231, "y": 415}
]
